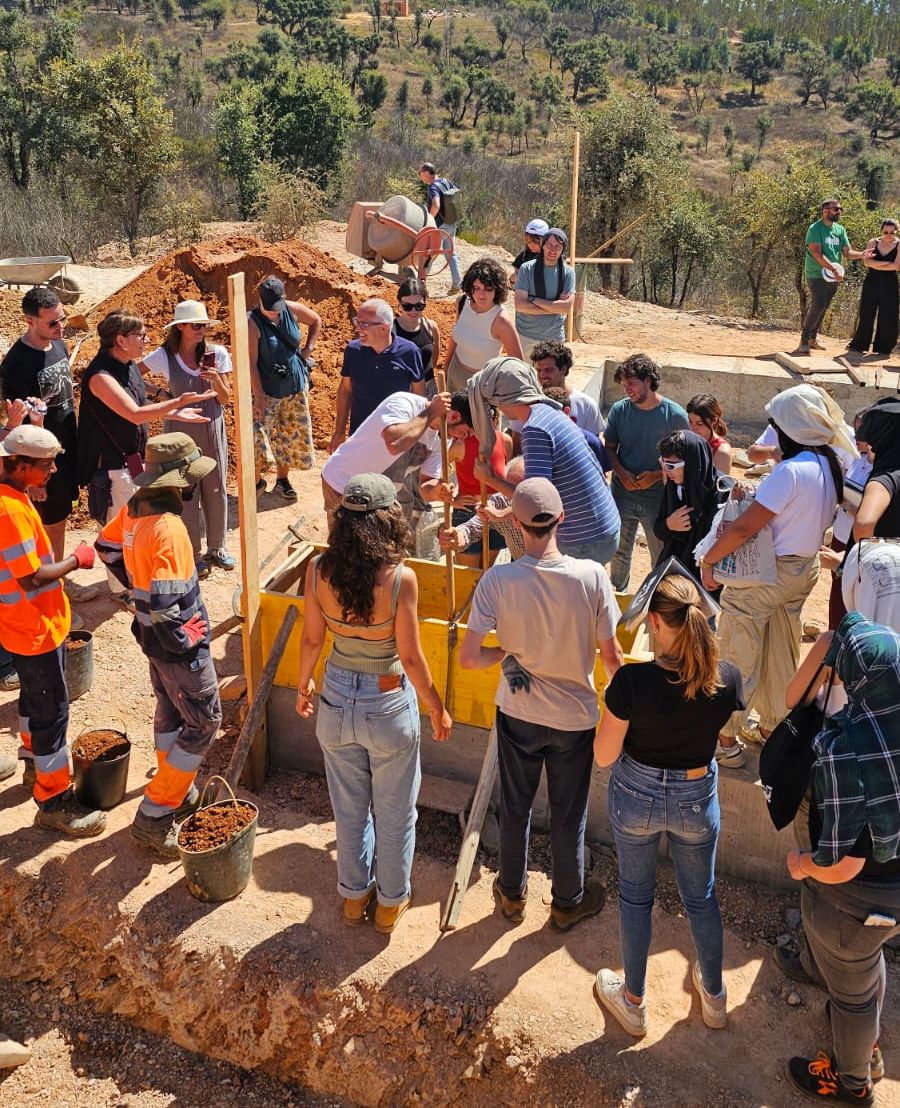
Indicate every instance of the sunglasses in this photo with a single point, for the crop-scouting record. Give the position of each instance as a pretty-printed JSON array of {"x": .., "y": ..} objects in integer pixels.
[
  {"x": 198, "y": 326},
  {"x": 418, "y": 306},
  {"x": 671, "y": 466},
  {"x": 836, "y": 209},
  {"x": 61, "y": 322}
]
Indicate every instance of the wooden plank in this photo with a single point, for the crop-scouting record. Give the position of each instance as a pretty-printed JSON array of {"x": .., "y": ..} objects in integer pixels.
[
  {"x": 233, "y": 687},
  {"x": 472, "y": 835},
  {"x": 251, "y": 628},
  {"x": 852, "y": 372},
  {"x": 444, "y": 794},
  {"x": 807, "y": 365}
]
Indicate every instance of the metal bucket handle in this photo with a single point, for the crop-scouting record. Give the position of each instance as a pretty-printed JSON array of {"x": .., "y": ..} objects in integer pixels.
[
  {"x": 217, "y": 777},
  {"x": 89, "y": 726}
]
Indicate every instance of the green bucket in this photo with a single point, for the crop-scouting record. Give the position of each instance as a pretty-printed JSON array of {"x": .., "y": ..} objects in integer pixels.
[{"x": 223, "y": 871}]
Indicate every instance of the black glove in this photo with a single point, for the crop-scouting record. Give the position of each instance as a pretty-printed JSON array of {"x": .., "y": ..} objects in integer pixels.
[{"x": 516, "y": 676}]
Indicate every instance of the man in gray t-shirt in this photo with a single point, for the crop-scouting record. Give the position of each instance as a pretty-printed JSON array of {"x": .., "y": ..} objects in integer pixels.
[
  {"x": 550, "y": 613},
  {"x": 634, "y": 427}
]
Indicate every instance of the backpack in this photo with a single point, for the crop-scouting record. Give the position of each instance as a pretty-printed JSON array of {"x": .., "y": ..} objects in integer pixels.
[{"x": 451, "y": 202}]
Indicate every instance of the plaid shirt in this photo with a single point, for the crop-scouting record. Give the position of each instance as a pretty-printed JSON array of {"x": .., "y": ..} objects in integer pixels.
[
  {"x": 856, "y": 777},
  {"x": 470, "y": 531}
]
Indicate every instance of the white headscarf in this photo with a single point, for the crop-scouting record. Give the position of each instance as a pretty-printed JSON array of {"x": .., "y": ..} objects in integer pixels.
[{"x": 808, "y": 415}]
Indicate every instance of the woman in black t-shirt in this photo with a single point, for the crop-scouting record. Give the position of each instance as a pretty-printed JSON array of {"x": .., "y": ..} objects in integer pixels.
[
  {"x": 411, "y": 324},
  {"x": 878, "y": 514},
  {"x": 658, "y": 731}
]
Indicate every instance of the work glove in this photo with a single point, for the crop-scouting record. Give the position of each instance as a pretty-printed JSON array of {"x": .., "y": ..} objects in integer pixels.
[
  {"x": 195, "y": 629},
  {"x": 84, "y": 556},
  {"x": 517, "y": 677}
]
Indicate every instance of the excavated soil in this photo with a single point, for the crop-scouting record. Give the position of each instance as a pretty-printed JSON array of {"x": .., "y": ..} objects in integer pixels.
[
  {"x": 100, "y": 746},
  {"x": 215, "y": 826},
  {"x": 74, "y": 645}
]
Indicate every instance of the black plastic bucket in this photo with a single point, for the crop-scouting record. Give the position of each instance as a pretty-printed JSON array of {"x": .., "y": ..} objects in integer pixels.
[
  {"x": 79, "y": 663},
  {"x": 224, "y": 871},
  {"x": 102, "y": 782}
]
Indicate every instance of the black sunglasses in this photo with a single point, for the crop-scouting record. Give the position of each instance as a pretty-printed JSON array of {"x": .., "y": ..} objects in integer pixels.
[{"x": 418, "y": 306}]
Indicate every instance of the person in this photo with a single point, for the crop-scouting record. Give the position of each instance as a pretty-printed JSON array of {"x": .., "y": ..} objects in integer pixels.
[
  {"x": 400, "y": 439},
  {"x": 878, "y": 514},
  {"x": 850, "y": 891},
  {"x": 550, "y": 613},
  {"x": 463, "y": 454},
  {"x": 482, "y": 328},
  {"x": 552, "y": 362},
  {"x": 826, "y": 244},
  {"x": 562, "y": 398},
  {"x": 375, "y": 365},
  {"x": 690, "y": 497},
  {"x": 553, "y": 447},
  {"x": 148, "y": 546},
  {"x": 497, "y": 512},
  {"x": 634, "y": 427},
  {"x": 658, "y": 732},
  {"x": 411, "y": 324},
  {"x": 184, "y": 361},
  {"x": 879, "y": 299},
  {"x": 545, "y": 293},
  {"x": 535, "y": 229},
  {"x": 368, "y": 718},
  {"x": 436, "y": 189},
  {"x": 280, "y": 376},
  {"x": 34, "y": 623},
  {"x": 37, "y": 366},
  {"x": 759, "y": 628},
  {"x": 113, "y": 418},
  {"x": 705, "y": 419},
  {"x": 870, "y": 581}
]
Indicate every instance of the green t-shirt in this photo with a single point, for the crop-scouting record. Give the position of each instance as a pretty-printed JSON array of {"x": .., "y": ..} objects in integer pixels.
[{"x": 832, "y": 239}]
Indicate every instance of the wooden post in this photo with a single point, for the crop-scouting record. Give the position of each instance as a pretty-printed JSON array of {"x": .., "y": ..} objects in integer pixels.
[
  {"x": 485, "y": 533},
  {"x": 251, "y": 628},
  {"x": 441, "y": 383},
  {"x": 573, "y": 228}
]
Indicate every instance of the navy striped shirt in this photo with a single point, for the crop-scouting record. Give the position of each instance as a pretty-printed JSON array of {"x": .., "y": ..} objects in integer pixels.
[{"x": 556, "y": 449}]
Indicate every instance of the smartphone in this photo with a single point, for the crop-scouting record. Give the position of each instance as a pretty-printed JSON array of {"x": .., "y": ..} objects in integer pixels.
[{"x": 208, "y": 361}]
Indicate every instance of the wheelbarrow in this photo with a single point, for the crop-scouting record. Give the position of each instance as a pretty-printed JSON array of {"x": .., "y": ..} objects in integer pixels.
[{"x": 40, "y": 271}]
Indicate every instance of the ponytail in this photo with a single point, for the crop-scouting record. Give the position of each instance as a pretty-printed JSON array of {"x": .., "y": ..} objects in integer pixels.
[{"x": 694, "y": 653}]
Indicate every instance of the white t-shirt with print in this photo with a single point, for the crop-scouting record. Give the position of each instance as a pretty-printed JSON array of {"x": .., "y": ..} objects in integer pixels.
[
  {"x": 157, "y": 362},
  {"x": 366, "y": 452},
  {"x": 801, "y": 493}
]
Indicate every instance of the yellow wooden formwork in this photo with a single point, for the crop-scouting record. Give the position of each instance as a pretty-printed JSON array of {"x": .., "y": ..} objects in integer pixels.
[{"x": 472, "y": 699}]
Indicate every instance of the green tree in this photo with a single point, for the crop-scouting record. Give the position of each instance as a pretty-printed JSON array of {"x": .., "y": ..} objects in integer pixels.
[
  {"x": 241, "y": 143},
  {"x": 874, "y": 173},
  {"x": 298, "y": 18},
  {"x": 893, "y": 68},
  {"x": 811, "y": 63},
  {"x": 401, "y": 98},
  {"x": 704, "y": 129},
  {"x": 661, "y": 67},
  {"x": 856, "y": 56},
  {"x": 764, "y": 124},
  {"x": 546, "y": 90},
  {"x": 529, "y": 19},
  {"x": 757, "y": 61},
  {"x": 602, "y": 11},
  {"x": 116, "y": 132},
  {"x": 877, "y": 104},
  {"x": 586, "y": 62},
  {"x": 432, "y": 44},
  {"x": 493, "y": 96},
  {"x": 555, "y": 42},
  {"x": 824, "y": 83},
  {"x": 427, "y": 93},
  {"x": 214, "y": 12},
  {"x": 679, "y": 245},
  {"x": 373, "y": 90},
  {"x": 503, "y": 29},
  {"x": 453, "y": 97}
]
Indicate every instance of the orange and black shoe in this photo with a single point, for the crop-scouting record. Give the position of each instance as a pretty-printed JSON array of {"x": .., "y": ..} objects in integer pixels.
[{"x": 817, "y": 1077}]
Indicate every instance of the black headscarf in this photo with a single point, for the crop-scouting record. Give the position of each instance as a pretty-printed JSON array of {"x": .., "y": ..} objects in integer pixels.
[
  {"x": 699, "y": 491},
  {"x": 880, "y": 428}
]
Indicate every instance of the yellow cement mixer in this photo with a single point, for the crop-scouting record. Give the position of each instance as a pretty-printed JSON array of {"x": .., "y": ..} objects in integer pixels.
[{"x": 400, "y": 232}]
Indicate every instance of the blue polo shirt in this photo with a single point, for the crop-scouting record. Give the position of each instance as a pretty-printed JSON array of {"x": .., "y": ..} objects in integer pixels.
[{"x": 374, "y": 377}]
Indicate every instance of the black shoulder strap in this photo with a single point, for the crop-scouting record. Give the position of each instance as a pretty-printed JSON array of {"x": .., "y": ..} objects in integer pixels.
[{"x": 259, "y": 318}]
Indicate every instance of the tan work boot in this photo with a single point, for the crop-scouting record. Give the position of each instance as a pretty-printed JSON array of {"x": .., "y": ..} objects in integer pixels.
[
  {"x": 12, "y": 1054},
  {"x": 592, "y": 902},
  {"x": 66, "y": 814},
  {"x": 388, "y": 915},
  {"x": 513, "y": 911},
  {"x": 356, "y": 908}
]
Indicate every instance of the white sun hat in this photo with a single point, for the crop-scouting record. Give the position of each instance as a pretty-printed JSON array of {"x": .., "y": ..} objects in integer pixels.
[
  {"x": 191, "y": 311},
  {"x": 827, "y": 273}
]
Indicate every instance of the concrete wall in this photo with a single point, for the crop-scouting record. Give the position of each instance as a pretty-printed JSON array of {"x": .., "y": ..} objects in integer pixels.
[{"x": 749, "y": 846}]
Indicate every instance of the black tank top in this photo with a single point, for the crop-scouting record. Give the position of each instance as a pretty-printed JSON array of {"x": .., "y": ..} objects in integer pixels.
[{"x": 425, "y": 343}]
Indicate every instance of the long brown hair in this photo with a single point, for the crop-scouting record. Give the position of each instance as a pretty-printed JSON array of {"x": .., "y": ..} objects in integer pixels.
[
  {"x": 694, "y": 653},
  {"x": 359, "y": 544},
  {"x": 710, "y": 411},
  {"x": 172, "y": 343}
]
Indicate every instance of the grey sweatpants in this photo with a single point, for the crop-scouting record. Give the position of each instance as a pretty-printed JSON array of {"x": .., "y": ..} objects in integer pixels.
[{"x": 821, "y": 293}]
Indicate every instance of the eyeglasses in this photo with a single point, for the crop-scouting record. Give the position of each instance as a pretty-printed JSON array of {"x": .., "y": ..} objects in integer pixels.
[
  {"x": 199, "y": 326},
  {"x": 419, "y": 306},
  {"x": 671, "y": 466},
  {"x": 363, "y": 326},
  {"x": 61, "y": 322},
  {"x": 141, "y": 336},
  {"x": 836, "y": 209}
]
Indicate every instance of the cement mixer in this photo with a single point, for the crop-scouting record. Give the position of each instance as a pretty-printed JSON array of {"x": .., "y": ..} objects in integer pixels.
[{"x": 401, "y": 232}]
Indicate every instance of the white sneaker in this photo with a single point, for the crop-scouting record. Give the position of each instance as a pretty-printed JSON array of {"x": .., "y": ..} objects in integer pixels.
[
  {"x": 609, "y": 989},
  {"x": 730, "y": 757},
  {"x": 712, "y": 1007}
]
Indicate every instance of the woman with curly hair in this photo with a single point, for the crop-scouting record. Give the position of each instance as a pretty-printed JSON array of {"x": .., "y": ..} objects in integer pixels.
[
  {"x": 482, "y": 327},
  {"x": 368, "y": 720}
]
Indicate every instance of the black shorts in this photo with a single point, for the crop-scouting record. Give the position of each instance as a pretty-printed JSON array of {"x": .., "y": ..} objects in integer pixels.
[{"x": 62, "y": 492}]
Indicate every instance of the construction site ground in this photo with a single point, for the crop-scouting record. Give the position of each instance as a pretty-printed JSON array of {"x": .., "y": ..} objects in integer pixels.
[{"x": 100, "y": 939}]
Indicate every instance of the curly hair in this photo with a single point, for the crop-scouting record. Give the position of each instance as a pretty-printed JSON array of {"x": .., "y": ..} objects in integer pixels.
[
  {"x": 640, "y": 366},
  {"x": 491, "y": 274},
  {"x": 552, "y": 348},
  {"x": 359, "y": 544}
]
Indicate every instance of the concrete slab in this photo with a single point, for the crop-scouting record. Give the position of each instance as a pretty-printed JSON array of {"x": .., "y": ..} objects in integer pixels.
[{"x": 808, "y": 365}]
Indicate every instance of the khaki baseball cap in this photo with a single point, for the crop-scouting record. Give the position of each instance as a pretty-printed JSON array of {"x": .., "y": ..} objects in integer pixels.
[
  {"x": 30, "y": 442},
  {"x": 536, "y": 502}
]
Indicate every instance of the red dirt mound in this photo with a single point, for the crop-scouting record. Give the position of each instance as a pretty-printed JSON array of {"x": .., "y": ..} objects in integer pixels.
[{"x": 200, "y": 272}]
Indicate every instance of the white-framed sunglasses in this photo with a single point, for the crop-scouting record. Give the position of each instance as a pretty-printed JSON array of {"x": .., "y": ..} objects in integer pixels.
[{"x": 671, "y": 466}]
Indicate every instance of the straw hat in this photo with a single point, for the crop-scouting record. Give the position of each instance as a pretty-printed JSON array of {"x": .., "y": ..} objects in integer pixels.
[
  {"x": 191, "y": 311},
  {"x": 173, "y": 461}
]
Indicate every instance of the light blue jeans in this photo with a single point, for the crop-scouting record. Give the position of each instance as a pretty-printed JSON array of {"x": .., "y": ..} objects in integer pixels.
[
  {"x": 370, "y": 740},
  {"x": 600, "y": 550},
  {"x": 644, "y": 802},
  {"x": 450, "y": 228},
  {"x": 635, "y": 508}
]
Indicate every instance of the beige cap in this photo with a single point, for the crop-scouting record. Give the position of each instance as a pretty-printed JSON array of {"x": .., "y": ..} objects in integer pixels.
[
  {"x": 30, "y": 442},
  {"x": 536, "y": 502}
]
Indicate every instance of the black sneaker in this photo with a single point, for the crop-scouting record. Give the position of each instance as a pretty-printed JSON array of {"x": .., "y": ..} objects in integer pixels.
[
  {"x": 591, "y": 903},
  {"x": 66, "y": 814},
  {"x": 202, "y": 569},
  {"x": 791, "y": 966},
  {"x": 816, "y": 1077},
  {"x": 260, "y": 486},
  {"x": 285, "y": 489}
]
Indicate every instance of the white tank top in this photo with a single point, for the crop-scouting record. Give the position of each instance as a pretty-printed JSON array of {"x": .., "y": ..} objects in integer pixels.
[{"x": 475, "y": 345}]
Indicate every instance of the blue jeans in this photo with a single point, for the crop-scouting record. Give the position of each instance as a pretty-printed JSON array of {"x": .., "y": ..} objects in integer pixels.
[
  {"x": 370, "y": 740},
  {"x": 450, "y": 228},
  {"x": 524, "y": 749},
  {"x": 644, "y": 802},
  {"x": 600, "y": 550},
  {"x": 635, "y": 508}
]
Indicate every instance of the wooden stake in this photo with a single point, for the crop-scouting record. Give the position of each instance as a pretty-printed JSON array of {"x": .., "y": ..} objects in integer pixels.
[
  {"x": 485, "y": 533},
  {"x": 251, "y": 628},
  {"x": 573, "y": 227},
  {"x": 441, "y": 382}
]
